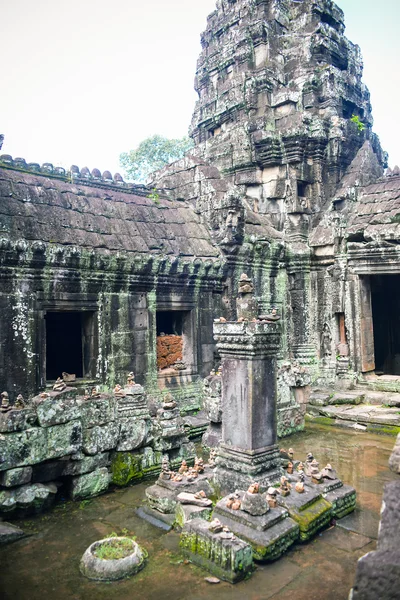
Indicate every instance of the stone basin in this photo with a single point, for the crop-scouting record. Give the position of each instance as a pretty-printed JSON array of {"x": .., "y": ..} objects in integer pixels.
[{"x": 93, "y": 567}]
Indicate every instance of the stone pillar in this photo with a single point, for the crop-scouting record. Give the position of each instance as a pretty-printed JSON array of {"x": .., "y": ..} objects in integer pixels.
[{"x": 248, "y": 451}]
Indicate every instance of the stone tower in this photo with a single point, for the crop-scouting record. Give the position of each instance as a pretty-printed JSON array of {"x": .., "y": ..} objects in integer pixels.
[{"x": 282, "y": 109}]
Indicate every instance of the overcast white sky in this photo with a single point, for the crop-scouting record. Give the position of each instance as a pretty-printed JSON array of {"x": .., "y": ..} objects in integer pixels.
[{"x": 84, "y": 80}]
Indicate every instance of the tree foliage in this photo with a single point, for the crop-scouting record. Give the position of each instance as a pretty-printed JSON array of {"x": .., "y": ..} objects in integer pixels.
[{"x": 152, "y": 154}]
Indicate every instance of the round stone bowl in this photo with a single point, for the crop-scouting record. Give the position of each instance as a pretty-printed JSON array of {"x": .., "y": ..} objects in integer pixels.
[{"x": 101, "y": 569}]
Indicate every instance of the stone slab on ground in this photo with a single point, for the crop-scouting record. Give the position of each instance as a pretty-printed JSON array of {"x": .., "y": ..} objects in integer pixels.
[
  {"x": 163, "y": 521},
  {"x": 364, "y": 522},
  {"x": 187, "y": 512},
  {"x": 345, "y": 540},
  {"x": 9, "y": 533},
  {"x": 269, "y": 535},
  {"x": 362, "y": 415},
  {"x": 223, "y": 554},
  {"x": 347, "y": 398}
]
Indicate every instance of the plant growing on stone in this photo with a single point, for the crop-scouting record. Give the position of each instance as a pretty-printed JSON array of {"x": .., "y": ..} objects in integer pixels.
[
  {"x": 155, "y": 196},
  {"x": 359, "y": 124},
  {"x": 114, "y": 549}
]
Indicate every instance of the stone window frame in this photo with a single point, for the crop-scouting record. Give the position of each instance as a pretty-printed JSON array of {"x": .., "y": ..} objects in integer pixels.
[
  {"x": 67, "y": 303},
  {"x": 189, "y": 334}
]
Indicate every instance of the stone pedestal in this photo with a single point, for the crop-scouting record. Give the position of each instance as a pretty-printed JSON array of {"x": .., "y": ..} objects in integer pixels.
[
  {"x": 248, "y": 451},
  {"x": 270, "y": 535}
]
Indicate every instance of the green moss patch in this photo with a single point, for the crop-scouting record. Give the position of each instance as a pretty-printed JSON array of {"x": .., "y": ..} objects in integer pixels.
[{"x": 125, "y": 467}]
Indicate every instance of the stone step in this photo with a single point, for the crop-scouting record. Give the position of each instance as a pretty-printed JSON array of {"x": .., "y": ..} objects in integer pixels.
[
  {"x": 381, "y": 383},
  {"x": 324, "y": 398},
  {"x": 9, "y": 533},
  {"x": 381, "y": 398}
]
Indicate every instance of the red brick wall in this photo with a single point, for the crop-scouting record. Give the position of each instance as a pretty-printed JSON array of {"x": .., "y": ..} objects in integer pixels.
[{"x": 169, "y": 350}]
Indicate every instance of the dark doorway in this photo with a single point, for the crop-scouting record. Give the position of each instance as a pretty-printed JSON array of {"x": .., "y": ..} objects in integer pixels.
[
  {"x": 385, "y": 294},
  {"x": 170, "y": 322},
  {"x": 64, "y": 344}
]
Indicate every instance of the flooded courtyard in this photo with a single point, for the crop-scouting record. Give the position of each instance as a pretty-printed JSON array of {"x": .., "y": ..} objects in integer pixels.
[{"x": 45, "y": 564}]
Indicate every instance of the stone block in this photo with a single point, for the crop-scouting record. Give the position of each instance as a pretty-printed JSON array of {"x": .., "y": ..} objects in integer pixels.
[
  {"x": 161, "y": 499},
  {"x": 10, "y": 533},
  {"x": 86, "y": 465},
  {"x": 187, "y": 512},
  {"x": 389, "y": 531},
  {"x": 343, "y": 500},
  {"x": 57, "y": 410},
  {"x": 223, "y": 554},
  {"x": 15, "y": 477},
  {"x": 270, "y": 535},
  {"x": 309, "y": 510},
  {"x": 63, "y": 440},
  {"x": 28, "y": 498},
  {"x": 17, "y": 420},
  {"x": 126, "y": 466},
  {"x": 23, "y": 448},
  {"x": 100, "y": 438},
  {"x": 134, "y": 433},
  {"x": 394, "y": 460},
  {"x": 90, "y": 484},
  {"x": 377, "y": 576},
  {"x": 98, "y": 411}
]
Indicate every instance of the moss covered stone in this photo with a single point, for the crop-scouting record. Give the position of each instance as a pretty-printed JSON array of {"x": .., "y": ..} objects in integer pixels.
[{"x": 125, "y": 467}]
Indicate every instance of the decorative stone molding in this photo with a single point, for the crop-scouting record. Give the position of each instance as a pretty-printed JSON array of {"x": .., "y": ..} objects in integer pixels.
[{"x": 247, "y": 339}]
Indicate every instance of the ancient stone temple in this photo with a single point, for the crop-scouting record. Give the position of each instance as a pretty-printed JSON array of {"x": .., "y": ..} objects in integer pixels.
[{"x": 102, "y": 281}]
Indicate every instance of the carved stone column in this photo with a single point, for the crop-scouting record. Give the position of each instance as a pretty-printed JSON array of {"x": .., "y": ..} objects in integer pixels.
[{"x": 248, "y": 451}]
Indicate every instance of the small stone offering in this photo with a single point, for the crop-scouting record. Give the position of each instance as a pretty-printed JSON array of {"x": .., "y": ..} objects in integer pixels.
[
  {"x": 165, "y": 468},
  {"x": 299, "y": 487},
  {"x": 20, "y": 402},
  {"x": 199, "y": 465},
  {"x": 5, "y": 402},
  {"x": 253, "y": 502},
  {"x": 169, "y": 403},
  {"x": 212, "y": 457},
  {"x": 245, "y": 284},
  {"x": 131, "y": 379},
  {"x": 118, "y": 391},
  {"x": 68, "y": 377},
  {"x": 328, "y": 472},
  {"x": 289, "y": 468},
  {"x": 215, "y": 526},
  {"x": 271, "y": 497},
  {"x": 270, "y": 317},
  {"x": 183, "y": 468},
  {"x": 285, "y": 486},
  {"x": 59, "y": 385}
]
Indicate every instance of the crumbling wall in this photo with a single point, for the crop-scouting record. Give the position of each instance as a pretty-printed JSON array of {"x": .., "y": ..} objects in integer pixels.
[{"x": 79, "y": 445}]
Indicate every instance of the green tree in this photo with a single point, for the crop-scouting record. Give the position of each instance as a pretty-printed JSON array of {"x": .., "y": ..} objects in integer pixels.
[{"x": 152, "y": 154}]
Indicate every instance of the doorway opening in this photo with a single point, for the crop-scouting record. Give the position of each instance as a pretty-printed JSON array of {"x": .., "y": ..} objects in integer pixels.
[
  {"x": 385, "y": 295},
  {"x": 70, "y": 343},
  {"x": 173, "y": 340}
]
